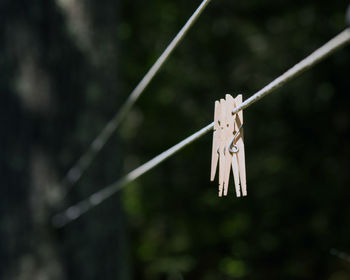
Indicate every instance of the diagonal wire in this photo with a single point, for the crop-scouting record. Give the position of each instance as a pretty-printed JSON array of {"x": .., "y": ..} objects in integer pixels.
[
  {"x": 75, "y": 211},
  {"x": 75, "y": 172}
]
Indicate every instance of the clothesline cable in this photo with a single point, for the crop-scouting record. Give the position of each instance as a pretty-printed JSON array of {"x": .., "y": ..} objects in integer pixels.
[
  {"x": 75, "y": 172},
  {"x": 75, "y": 211}
]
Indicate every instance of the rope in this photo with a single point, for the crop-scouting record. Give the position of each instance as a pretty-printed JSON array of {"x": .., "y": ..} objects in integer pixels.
[
  {"x": 75, "y": 211},
  {"x": 75, "y": 172}
]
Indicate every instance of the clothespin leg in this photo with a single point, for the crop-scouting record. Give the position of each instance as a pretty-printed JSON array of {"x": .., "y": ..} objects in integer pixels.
[
  {"x": 228, "y": 134},
  {"x": 222, "y": 147},
  {"x": 222, "y": 163},
  {"x": 216, "y": 141},
  {"x": 240, "y": 145},
  {"x": 241, "y": 165},
  {"x": 235, "y": 170},
  {"x": 228, "y": 162}
]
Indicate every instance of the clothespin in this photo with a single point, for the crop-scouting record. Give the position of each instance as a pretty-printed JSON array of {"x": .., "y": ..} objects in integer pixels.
[{"x": 228, "y": 146}]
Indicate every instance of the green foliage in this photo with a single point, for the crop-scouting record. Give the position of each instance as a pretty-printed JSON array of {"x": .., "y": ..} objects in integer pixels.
[{"x": 296, "y": 171}]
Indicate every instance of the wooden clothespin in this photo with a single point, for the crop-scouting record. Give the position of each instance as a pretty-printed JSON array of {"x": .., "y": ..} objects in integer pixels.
[{"x": 228, "y": 146}]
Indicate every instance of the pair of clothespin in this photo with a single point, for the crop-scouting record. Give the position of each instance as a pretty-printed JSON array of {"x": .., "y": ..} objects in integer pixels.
[{"x": 228, "y": 145}]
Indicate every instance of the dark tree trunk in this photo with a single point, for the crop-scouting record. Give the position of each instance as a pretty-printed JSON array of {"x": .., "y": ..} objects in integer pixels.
[{"x": 58, "y": 70}]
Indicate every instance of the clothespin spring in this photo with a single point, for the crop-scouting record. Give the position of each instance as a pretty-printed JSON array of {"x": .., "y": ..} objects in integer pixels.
[{"x": 233, "y": 148}]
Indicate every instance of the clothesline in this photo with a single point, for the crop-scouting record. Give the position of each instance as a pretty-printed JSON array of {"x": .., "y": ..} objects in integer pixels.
[
  {"x": 75, "y": 211},
  {"x": 76, "y": 171}
]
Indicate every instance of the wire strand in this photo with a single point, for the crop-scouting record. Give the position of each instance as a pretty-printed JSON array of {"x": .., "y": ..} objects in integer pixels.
[
  {"x": 75, "y": 172},
  {"x": 97, "y": 198}
]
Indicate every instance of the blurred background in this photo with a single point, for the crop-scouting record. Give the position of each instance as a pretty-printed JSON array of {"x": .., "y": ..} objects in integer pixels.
[{"x": 66, "y": 66}]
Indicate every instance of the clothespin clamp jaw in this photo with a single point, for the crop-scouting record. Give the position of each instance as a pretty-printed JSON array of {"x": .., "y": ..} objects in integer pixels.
[{"x": 228, "y": 146}]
